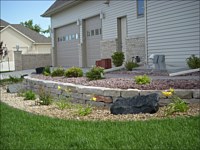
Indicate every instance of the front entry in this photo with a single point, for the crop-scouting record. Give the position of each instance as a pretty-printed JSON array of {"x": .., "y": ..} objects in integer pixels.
[{"x": 122, "y": 33}]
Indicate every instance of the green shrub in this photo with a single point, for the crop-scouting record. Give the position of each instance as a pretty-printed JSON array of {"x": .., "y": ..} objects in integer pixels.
[
  {"x": 45, "y": 97},
  {"x": 118, "y": 58},
  {"x": 84, "y": 110},
  {"x": 29, "y": 95},
  {"x": 47, "y": 71},
  {"x": 58, "y": 72},
  {"x": 129, "y": 65},
  {"x": 74, "y": 72},
  {"x": 95, "y": 73},
  {"x": 193, "y": 62},
  {"x": 142, "y": 79},
  {"x": 63, "y": 103}
]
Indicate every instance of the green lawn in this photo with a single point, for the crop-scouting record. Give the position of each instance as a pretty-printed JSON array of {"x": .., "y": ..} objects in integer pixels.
[{"x": 22, "y": 130}]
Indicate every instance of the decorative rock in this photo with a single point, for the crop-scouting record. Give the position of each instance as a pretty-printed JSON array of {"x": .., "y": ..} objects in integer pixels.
[
  {"x": 15, "y": 88},
  {"x": 135, "y": 105},
  {"x": 103, "y": 99}
]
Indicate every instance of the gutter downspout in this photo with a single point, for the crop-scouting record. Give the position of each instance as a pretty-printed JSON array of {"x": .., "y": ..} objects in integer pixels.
[{"x": 146, "y": 32}]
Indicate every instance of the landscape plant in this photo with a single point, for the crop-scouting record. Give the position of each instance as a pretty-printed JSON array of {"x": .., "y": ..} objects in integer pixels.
[
  {"x": 176, "y": 105},
  {"x": 29, "y": 95},
  {"x": 193, "y": 62},
  {"x": 118, "y": 58},
  {"x": 84, "y": 110},
  {"x": 64, "y": 101},
  {"x": 45, "y": 97},
  {"x": 74, "y": 72},
  {"x": 47, "y": 71},
  {"x": 129, "y": 65},
  {"x": 95, "y": 73},
  {"x": 58, "y": 72},
  {"x": 142, "y": 79}
]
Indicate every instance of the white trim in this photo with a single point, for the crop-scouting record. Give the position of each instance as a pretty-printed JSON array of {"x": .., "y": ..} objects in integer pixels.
[
  {"x": 9, "y": 26},
  {"x": 42, "y": 43}
]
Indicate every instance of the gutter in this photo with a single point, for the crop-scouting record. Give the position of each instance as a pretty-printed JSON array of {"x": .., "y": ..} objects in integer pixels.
[
  {"x": 60, "y": 8},
  {"x": 146, "y": 32}
]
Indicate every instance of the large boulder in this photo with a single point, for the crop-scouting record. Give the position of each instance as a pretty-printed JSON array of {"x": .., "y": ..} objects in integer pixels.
[
  {"x": 135, "y": 105},
  {"x": 15, "y": 88}
]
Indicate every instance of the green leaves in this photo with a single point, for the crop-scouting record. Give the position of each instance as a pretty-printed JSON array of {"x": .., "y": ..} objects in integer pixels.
[{"x": 142, "y": 79}]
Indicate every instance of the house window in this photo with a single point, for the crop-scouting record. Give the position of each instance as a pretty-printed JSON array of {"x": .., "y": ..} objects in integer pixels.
[
  {"x": 92, "y": 32},
  {"x": 96, "y": 31},
  {"x": 88, "y": 33},
  {"x": 140, "y": 7},
  {"x": 67, "y": 38},
  {"x": 77, "y": 36}
]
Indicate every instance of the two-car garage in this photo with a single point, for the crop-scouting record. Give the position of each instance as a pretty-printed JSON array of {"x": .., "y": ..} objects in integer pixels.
[{"x": 67, "y": 40}]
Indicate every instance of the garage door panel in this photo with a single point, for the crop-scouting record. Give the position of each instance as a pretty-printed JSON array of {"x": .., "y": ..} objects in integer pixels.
[
  {"x": 67, "y": 48},
  {"x": 93, "y": 38}
]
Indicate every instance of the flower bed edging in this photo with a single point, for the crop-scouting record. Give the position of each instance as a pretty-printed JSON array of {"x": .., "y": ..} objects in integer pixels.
[{"x": 104, "y": 96}]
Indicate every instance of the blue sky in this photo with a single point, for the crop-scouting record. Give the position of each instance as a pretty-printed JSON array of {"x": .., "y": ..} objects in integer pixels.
[{"x": 16, "y": 11}]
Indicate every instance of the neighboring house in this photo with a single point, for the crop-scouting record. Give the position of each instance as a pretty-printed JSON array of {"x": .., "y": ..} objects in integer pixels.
[
  {"x": 86, "y": 31},
  {"x": 28, "y": 41}
]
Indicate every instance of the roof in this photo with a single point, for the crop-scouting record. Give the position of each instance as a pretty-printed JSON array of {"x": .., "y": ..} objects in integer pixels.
[
  {"x": 60, "y": 5},
  {"x": 31, "y": 34},
  {"x": 3, "y": 23}
]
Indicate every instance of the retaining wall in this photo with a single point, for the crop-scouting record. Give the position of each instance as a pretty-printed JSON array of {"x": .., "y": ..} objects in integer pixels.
[{"x": 104, "y": 96}]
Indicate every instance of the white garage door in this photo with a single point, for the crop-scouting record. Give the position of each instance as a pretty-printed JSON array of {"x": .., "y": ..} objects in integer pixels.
[
  {"x": 67, "y": 40},
  {"x": 93, "y": 38}
]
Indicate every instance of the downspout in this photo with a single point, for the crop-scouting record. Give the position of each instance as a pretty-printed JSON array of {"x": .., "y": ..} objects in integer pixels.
[{"x": 146, "y": 32}]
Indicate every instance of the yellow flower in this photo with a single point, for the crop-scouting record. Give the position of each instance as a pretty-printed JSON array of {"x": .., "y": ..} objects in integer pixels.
[
  {"x": 94, "y": 98},
  {"x": 171, "y": 90},
  {"x": 59, "y": 88},
  {"x": 166, "y": 93}
]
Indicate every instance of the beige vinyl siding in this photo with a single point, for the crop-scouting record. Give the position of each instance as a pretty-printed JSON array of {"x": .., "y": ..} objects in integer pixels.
[
  {"x": 116, "y": 9},
  {"x": 173, "y": 29}
]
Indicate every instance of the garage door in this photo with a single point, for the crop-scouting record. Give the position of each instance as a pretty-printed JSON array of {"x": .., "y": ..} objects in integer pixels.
[
  {"x": 67, "y": 40},
  {"x": 93, "y": 38}
]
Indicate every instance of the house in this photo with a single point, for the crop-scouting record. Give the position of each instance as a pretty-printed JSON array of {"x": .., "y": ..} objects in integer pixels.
[
  {"x": 86, "y": 31},
  {"x": 28, "y": 41}
]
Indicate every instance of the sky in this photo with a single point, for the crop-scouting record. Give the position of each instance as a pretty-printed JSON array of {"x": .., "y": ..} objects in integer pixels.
[{"x": 16, "y": 11}]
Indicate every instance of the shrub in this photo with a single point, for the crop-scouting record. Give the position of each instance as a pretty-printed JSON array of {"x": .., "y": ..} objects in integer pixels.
[
  {"x": 84, "y": 110},
  {"x": 29, "y": 95},
  {"x": 129, "y": 65},
  {"x": 193, "y": 62},
  {"x": 45, "y": 97},
  {"x": 176, "y": 105},
  {"x": 58, "y": 72},
  {"x": 74, "y": 72},
  {"x": 47, "y": 71},
  {"x": 63, "y": 103},
  {"x": 142, "y": 79},
  {"x": 118, "y": 58},
  {"x": 95, "y": 73}
]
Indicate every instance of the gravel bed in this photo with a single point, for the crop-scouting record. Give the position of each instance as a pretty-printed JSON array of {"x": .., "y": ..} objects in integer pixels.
[
  {"x": 126, "y": 83},
  {"x": 97, "y": 114}
]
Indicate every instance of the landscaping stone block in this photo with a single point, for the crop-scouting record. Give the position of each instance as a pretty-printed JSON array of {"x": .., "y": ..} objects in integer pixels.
[
  {"x": 196, "y": 94},
  {"x": 105, "y": 99},
  {"x": 112, "y": 92},
  {"x": 183, "y": 93},
  {"x": 77, "y": 95},
  {"x": 129, "y": 93},
  {"x": 90, "y": 90},
  {"x": 87, "y": 96},
  {"x": 146, "y": 92},
  {"x": 93, "y": 103}
]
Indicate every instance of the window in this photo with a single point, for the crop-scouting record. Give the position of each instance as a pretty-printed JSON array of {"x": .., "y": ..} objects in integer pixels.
[
  {"x": 140, "y": 7},
  {"x": 70, "y": 37},
  {"x": 73, "y": 36},
  {"x": 67, "y": 38},
  {"x": 63, "y": 38},
  {"x": 100, "y": 31},
  {"x": 88, "y": 33},
  {"x": 77, "y": 36},
  {"x": 96, "y": 31},
  {"x": 92, "y": 32}
]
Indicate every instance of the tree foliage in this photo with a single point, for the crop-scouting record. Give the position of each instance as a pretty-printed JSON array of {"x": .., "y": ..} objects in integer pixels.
[{"x": 29, "y": 24}]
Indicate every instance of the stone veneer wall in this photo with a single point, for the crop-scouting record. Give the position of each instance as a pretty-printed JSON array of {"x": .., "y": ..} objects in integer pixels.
[
  {"x": 108, "y": 47},
  {"x": 135, "y": 47},
  {"x": 31, "y": 61},
  {"x": 105, "y": 96}
]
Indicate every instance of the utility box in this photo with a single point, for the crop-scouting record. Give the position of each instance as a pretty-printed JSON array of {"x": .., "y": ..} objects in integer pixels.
[{"x": 104, "y": 63}]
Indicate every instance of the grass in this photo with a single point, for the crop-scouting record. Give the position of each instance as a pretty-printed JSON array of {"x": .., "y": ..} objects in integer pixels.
[{"x": 23, "y": 130}]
